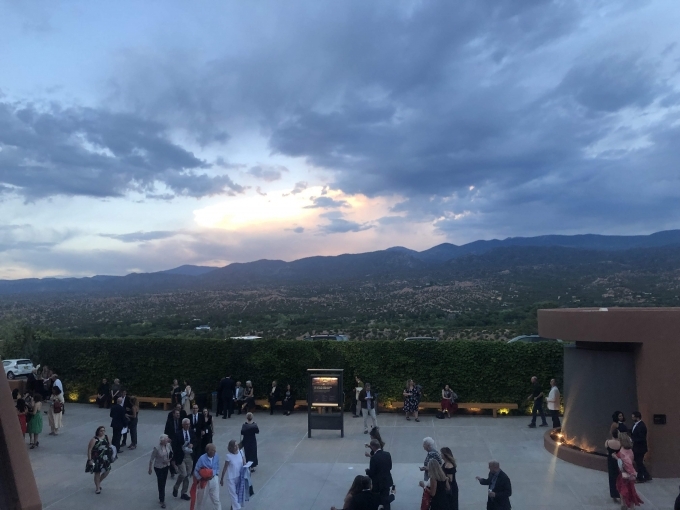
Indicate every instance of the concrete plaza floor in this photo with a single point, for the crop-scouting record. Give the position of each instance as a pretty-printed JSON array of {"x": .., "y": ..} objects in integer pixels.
[{"x": 297, "y": 473}]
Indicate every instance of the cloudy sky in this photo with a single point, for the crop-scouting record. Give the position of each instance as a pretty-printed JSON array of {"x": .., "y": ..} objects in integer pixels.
[{"x": 138, "y": 136}]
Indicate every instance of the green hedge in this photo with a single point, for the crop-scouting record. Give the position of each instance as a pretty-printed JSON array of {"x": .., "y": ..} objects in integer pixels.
[{"x": 477, "y": 371}]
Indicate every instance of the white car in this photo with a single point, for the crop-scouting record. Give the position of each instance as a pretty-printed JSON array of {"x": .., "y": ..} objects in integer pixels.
[{"x": 17, "y": 367}]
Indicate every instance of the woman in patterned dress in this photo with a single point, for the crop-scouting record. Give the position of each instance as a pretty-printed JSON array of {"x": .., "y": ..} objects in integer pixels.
[
  {"x": 411, "y": 399},
  {"x": 99, "y": 457}
]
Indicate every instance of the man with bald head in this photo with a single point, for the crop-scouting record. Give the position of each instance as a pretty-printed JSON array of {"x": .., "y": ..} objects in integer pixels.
[
  {"x": 537, "y": 398},
  {"x": 500, "y": 488}
]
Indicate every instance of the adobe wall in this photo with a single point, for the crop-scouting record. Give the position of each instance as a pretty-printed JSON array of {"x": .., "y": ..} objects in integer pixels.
[{"x": 656, "y": 335}]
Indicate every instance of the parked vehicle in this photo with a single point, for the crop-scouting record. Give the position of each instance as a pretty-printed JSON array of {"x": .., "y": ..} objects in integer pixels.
[
  {"x": 17, "y": 367},
  {"x": 532, "y": 339},
  {"x": 340, "y": 338}
]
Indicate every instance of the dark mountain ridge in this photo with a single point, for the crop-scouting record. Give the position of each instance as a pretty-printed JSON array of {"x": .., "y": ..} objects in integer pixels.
[{"x": 396, "y": 262}]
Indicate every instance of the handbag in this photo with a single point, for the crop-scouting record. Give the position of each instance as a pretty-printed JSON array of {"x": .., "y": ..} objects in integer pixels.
[
  {"x": 58, "y": 407},
  {"x": 89, "y": 467}
]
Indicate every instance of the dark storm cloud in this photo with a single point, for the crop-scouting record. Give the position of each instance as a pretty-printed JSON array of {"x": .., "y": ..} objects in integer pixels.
[
  {"x": 326, "y": 203},
  {"x": 46, "y": 151},
  {"x": 137, "y": 237},
  {"x": 269, "y": 173},
  {"x": 426, "y": 99}
]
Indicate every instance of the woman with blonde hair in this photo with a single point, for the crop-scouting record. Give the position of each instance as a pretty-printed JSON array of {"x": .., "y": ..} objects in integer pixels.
[
  {"x": 411, "y": 399},
  {"x": 249, "y": 397},
  {"x": 438, "y": 488},
  {"x": 232, "y": 469},
  {"x": 160, "y": 460},
  {"x": 625, "y": 483}
]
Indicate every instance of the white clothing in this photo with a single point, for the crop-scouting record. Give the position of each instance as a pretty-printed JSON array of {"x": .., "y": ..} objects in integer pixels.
[
  {"x": 235, "y": 464},
  {"x": 369, "y": 413},
  {"x": 554, "y": 399},
  {"x": 231, "y": 487},
  {"x": 209, "y": 498},
  {"x": 58, "y": 384},
  {"x": 357, "y": 390}
]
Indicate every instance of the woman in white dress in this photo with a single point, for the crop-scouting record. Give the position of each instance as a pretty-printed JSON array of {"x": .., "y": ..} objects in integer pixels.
[
  {"x": 232, "y": 470},
  {"x": 55, "y": 412},
  {"x": 187, "y": 397}
]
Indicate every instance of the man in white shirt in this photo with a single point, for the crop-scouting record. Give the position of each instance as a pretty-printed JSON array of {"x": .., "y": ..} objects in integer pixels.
[
  {"x": 554, "y": 404},
  {"x": 368, "y": 403}
]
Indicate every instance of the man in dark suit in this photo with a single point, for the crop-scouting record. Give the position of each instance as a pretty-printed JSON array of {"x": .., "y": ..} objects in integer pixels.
[
  {"x": 380, "y": 472},
  {"x": 183, "y": 445},
  {"x": 274, "y": 396},
  {"x": 227, "y": 397},
  {"x": 196, "y": 420},
  {"x": 639, "y": 436},
  {"x": 500, "y": 488},
  {"x": 127, "y": 405},
  {"x": 367, "y": 499},
  {"x": 117, "y": 415}
]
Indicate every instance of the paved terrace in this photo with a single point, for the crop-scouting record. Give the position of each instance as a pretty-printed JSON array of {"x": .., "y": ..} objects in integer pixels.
[{"x": 297, "y": 473}]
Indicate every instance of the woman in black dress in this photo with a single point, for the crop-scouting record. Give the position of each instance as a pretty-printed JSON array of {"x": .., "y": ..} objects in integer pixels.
[
  {"x": 613, "y": 446},
  {"x": 439, "y": 486},
  {"x": 249, "y": 441},
  {"x": 206, "y": 429},
  {"x": 619, "y": 419},
  {"x": 288, "y": 402},
  {"x": 449, "y": 468},
  {"x": 175, "y": 393}
]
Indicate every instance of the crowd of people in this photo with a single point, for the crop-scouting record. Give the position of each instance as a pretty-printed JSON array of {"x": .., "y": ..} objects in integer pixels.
[
  {"x": 44, "y": 393},
  {"x": 376, "y": 489},
  {"x": 626, "y": 449},
  {"x": 186, "y": 452}
]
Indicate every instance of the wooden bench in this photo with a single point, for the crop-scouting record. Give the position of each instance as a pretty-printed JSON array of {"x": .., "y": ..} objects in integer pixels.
[
  {"x": 265, "y": 403},
  {"x": 154, "y": 401},
  {"x": 470, "y": 406}
]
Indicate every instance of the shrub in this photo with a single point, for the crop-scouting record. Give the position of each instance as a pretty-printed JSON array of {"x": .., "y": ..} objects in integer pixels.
[{"x": 477, "y": 371}]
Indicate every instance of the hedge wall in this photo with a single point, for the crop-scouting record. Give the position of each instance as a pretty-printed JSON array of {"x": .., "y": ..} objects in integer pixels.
[{"x": 477, "y": 371}]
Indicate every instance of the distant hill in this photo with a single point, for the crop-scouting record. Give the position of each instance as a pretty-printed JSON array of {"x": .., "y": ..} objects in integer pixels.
[
  {"x": 448, "y": 251},
  {"x": 189, "y": 270},
  {"x": 393, "y": 263}
]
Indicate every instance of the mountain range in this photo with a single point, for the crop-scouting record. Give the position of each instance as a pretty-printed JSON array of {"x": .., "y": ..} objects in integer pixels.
[{"x": 393, "y": 262}]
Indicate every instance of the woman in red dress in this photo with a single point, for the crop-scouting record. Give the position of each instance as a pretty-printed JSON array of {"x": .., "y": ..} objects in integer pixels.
[
  {"x": 625, "y": 483},
  {"x": 22, "y": 411}
]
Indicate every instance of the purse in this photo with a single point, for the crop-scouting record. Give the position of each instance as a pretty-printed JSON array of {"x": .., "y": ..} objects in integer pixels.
[
  {"x": 89, "y": 467},
  {"x": 58, "y": 407}
]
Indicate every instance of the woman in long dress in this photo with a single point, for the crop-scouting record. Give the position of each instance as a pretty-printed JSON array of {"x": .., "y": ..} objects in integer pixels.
[
  {"x": 625, "y": 483},
  {"x": 449, "y": 468},
  {"x": 613, "y": 447},
  {"x": 22, "y": 411},
  {"x": 248, "y": 431},
  {"x": 439, "y": 487},
  {"x": 55, "y": 413},
  {"x": 99, "y": 457},
  {"x": 207, "y": 429},
  {"x": 232, "y": 470},
  {"x": 35, "y": 425},
  {"x": 248, "y": 396},
  {"x": 411, "y": 399}
]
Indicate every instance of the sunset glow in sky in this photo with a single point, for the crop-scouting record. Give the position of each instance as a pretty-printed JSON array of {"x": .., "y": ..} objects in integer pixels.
[{"x": 139, "y": 136}]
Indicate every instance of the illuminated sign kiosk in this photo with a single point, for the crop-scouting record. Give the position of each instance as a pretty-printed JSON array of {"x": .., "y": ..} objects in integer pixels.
[{"x": 325, "y": 395}]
